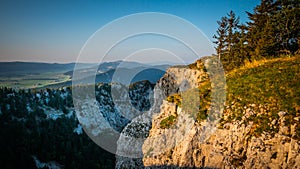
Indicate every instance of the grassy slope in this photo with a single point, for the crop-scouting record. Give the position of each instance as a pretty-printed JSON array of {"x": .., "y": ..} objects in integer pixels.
[
  {"x": 273, "y": 82},
  {"x": 266, "y": 86}
]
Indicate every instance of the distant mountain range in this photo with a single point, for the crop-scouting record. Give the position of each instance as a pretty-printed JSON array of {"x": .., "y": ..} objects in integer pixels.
[
  {"x": 118, "y": 71},
  {"x": 37, "y": 67}
]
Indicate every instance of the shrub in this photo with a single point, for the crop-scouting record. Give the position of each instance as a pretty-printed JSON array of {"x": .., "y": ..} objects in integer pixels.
[{"x": 168, "y": 122}]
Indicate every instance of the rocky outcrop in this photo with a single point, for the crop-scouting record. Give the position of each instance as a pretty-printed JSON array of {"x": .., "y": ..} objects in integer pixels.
[
  {"x": 229, "y": 147},
  {"x": 115, "y": 106},
  {"x": 186, "y": 144},
  {"x": 176, "y": 79}
]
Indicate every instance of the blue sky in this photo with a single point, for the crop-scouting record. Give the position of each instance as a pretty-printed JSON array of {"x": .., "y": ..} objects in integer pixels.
[{"x": 55, "y": 31}]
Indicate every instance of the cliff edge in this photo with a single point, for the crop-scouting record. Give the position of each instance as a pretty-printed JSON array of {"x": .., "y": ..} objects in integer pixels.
[{"x": 257, "y": 128}]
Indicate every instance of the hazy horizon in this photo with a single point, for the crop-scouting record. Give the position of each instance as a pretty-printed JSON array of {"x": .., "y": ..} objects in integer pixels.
[{"x": 150, "y": 63}]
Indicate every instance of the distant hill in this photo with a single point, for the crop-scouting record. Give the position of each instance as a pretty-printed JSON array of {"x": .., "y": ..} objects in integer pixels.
[
  {"x": 41, "y": 75},
  {"x": 17, "y": 68},
  {"x": 106, "y": 66},
  {"x": 123, "y": 75},
  {"x": 131, "y": 75}
]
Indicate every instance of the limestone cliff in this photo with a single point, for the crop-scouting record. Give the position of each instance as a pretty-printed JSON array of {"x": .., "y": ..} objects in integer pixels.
[
  {"x": 132, "y": 138},
  {"x": 230, "y": 147},
  {"x": 174, "y": 138}
]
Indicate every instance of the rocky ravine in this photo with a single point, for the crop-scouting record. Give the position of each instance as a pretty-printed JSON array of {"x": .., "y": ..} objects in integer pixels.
[{"x": 183, "y": 145}]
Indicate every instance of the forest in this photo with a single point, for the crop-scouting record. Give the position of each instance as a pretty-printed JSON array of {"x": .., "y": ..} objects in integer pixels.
[{"x": 273, "y": 30}]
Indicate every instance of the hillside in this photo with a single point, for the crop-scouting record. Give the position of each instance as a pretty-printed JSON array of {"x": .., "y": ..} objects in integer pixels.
[
  {"x": 259, "y": 127},
  {"x": 270, "y": 85}
]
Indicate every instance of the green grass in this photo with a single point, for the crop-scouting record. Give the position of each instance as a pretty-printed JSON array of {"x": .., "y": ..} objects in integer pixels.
[{"x": 273, "y": 84}]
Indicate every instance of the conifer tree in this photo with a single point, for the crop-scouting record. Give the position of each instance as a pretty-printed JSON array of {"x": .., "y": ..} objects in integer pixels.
[
  {"x": 226, "y": 38},
  {"x": 273, "y": 29},
  {"x": 221, "y": 36},
  {"x": 260, "y": 31}
]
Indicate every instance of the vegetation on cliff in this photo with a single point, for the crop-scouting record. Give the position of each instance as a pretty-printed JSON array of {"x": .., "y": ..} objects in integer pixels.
[
  {"x": 262, "y": 67},
  {"x": 266, "y": 87}
]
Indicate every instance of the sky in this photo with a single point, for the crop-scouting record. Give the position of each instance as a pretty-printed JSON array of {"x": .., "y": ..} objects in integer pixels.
[{"x": 55, "y": 31}]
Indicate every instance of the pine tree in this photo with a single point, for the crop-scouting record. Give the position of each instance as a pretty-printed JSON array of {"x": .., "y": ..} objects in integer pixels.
[
  {"x": 226, "y": 38},
  {"x": 273, "y": 29},
  {"x": 260, "y": 36},
  {"x": 233, "y": 22},
  {"x": 221, "y": 36}
]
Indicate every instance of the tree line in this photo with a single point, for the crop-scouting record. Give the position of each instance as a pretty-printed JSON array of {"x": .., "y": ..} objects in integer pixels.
[{"x": 273, "y": 30}]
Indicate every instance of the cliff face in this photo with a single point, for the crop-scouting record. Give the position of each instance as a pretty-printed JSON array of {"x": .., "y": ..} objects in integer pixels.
[
  {"x": 132, "y": 138},
  {"x": 231, "y": 147},
  {"x": 172, "y": 139}
]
